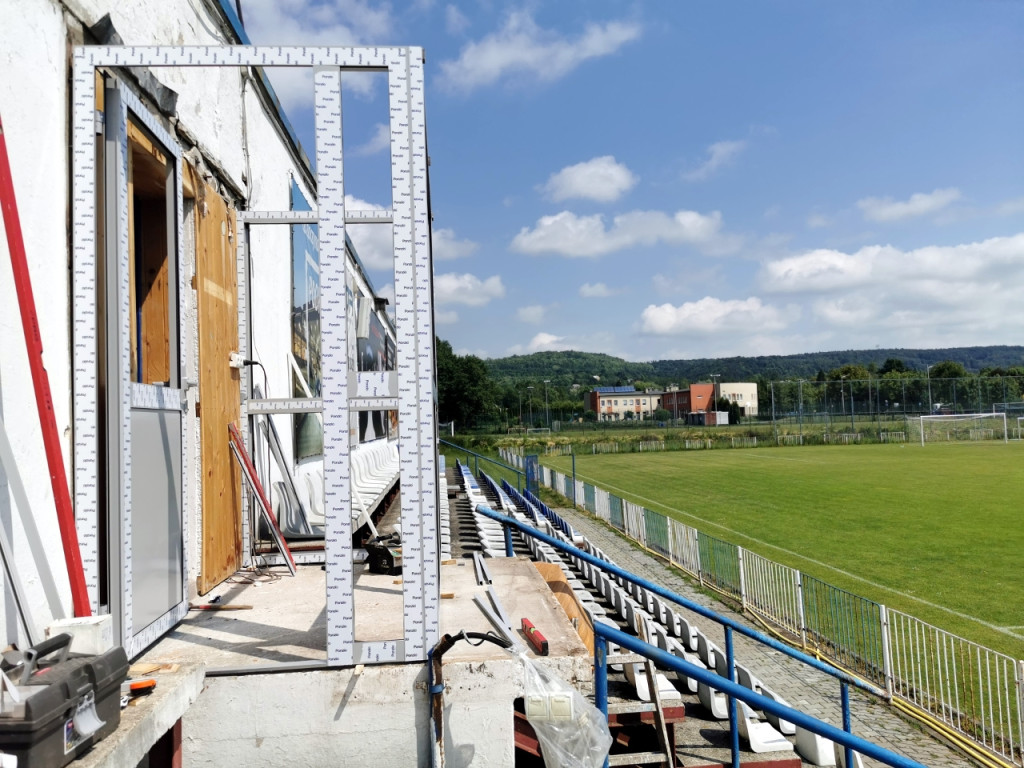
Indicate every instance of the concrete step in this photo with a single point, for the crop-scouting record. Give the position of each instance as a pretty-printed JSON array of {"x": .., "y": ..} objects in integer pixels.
[
  {"x": 626, "y": 658},
  {"x": 638, "y": 758},
  {"x": 625, "y": 707}
]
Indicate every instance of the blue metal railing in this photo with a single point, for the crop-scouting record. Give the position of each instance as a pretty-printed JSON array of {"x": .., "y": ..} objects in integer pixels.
[
  {"x": 604, "y": 633},
  {"x": 478, "y": 457},
  {"x": 728, "y": 685}
]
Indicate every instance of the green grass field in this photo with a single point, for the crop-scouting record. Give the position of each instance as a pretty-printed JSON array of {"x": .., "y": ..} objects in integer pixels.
[{"x": 934, "y": 532}]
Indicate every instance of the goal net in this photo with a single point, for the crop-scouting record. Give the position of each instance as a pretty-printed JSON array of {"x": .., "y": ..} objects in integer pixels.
[{"x": 962, "y": 427}]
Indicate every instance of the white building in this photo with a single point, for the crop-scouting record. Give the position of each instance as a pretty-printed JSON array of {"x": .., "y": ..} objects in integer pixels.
[
  {"x": 742, "y": 392},
  {"x": 623, "y": 403}
]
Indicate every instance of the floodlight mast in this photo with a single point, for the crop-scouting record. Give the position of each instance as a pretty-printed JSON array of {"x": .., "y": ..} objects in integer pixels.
[
  {"x": 547, "y": 413},
  {"x": 928, "y": 373}
]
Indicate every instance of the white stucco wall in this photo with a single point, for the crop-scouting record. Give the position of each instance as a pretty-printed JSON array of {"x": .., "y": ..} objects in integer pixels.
[
  {"x": 33, "y": 98},
  {"x": 34, "y": 53}
]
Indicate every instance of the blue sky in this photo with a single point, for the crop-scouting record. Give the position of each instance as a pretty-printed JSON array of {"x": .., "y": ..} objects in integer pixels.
[{"x": 698, "y": 179}]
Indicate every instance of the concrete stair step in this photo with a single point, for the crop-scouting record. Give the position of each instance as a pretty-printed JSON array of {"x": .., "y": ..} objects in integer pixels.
[
  {"x": 626, "y": 658},
  {"x": 638, "y": 758},
  {"x": 626, "y": 707}
]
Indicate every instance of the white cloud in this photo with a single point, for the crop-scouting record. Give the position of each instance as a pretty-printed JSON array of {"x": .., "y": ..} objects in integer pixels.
[
  {"x": 533, "y": 314},
  {"x": 1010, "y": 207},
  {"x": 601, "y": 179},
  {"x": 567, "y": 234},
  {"x": 931, "y": 296},
  {"x": 542, "y": 342},
  {"x": 818, "y": 220},
  {"x": 452, "y": 288},
  {"x": 298, "y": 22},
  {"x": 455, "y": 20},
  {"x": 446, "y": 317},
  {"x": 380, "y": 141},
  {"x": 919, "y": 204},
  {"x": 373, "y": 242},
  {"x": 447, "y": 247},
  {"x": 880, "y": 266},
  {"x": 710, "y": 316},
  {"x": 521, "y": 47},
  {"x": 720, "y": 153},
  {"x": 595, "y": 291},
  {"x": 822, "y": 270}
]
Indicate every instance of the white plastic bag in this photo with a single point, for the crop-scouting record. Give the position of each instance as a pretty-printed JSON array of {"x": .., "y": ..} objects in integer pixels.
[{"x": 572, "y": 732}]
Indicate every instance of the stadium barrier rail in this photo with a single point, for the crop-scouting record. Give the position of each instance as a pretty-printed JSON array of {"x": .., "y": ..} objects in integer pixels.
[{"x": 727, "y": 685}]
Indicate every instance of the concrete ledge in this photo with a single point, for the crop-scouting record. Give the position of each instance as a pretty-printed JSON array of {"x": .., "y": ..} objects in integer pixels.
[{"x": 147, "y": 719}]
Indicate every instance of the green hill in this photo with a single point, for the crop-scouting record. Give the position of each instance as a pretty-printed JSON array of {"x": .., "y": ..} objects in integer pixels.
[
  {"x": 581, "y": 367},
  {"x": 565, "y": 368}
]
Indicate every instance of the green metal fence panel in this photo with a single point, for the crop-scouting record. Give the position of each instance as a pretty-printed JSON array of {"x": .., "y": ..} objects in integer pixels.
[
  {"x": 589, "y": 500},
  {"x": 658, "y": 537},
  {"x": 615, "y": 518},
  {"x": 719, "y": 564},
  {"x": 845, "y": 627}
]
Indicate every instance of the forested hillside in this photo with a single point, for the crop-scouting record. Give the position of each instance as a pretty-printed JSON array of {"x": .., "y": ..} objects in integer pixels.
[{"x": 582, "y": 367}]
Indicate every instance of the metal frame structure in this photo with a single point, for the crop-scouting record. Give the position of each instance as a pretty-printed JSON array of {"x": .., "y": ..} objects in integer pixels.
[
  {"x": 123, "y": 394},
  {"x": 409, "y": 389}
]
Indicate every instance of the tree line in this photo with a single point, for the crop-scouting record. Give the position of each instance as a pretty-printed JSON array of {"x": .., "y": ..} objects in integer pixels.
[{"x": 536, "y": 390}]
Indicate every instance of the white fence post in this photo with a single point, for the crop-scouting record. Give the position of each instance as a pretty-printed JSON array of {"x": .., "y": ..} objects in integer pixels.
[
  {"x": 883, "y": 620},
  {"x": 1020, "y": 702},
  {"x": 671, "y": 542},
  {"x": 800, "y": 607},
  {"x": 743, "y": 581},
  {"x": 696, "y": 552}
]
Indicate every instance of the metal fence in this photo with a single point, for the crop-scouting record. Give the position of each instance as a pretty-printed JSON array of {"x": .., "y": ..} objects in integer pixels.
[{"x": 962, "y": 685}]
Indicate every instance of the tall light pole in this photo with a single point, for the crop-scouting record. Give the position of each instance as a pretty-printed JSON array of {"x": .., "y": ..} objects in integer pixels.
[
  {"x": 928, "y": 373},
  {"x": 530, "y": 397},
  {"x": 852, "y": 427},
  {"x": 800, "y": 407},
  {"x": 547, "y": 413},
  {"x": 714, "y": 387},
  {"x": 842, "y": 393}
]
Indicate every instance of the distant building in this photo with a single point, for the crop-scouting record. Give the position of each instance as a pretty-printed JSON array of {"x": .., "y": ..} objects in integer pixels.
[
  {"x": 620, "y": 403},
  {"x": 743, "y": 393},
  {"x": 613, "y": 403},
  {"x": 697, "y": 397}
]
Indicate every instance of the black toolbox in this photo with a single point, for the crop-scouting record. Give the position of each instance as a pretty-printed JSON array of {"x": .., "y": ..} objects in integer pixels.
[{"x": 68, "y": 702}]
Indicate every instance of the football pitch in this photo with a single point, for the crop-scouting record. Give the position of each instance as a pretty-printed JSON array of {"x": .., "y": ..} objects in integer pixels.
[{"x": 932, "y": 531}]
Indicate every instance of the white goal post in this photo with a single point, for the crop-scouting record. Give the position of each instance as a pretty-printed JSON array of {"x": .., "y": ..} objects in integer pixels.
[{"x": 963, "y": 426}]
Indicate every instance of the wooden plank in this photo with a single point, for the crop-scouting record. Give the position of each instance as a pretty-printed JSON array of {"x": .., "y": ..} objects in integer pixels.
[
  {"x": 555, "y": 578},
  {"x": 152, "y": 289},
  {"x": 219, "y": 394}
]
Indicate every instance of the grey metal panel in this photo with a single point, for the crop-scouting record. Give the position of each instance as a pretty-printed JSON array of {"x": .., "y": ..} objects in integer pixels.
[{"x": 157, "y": 519}]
